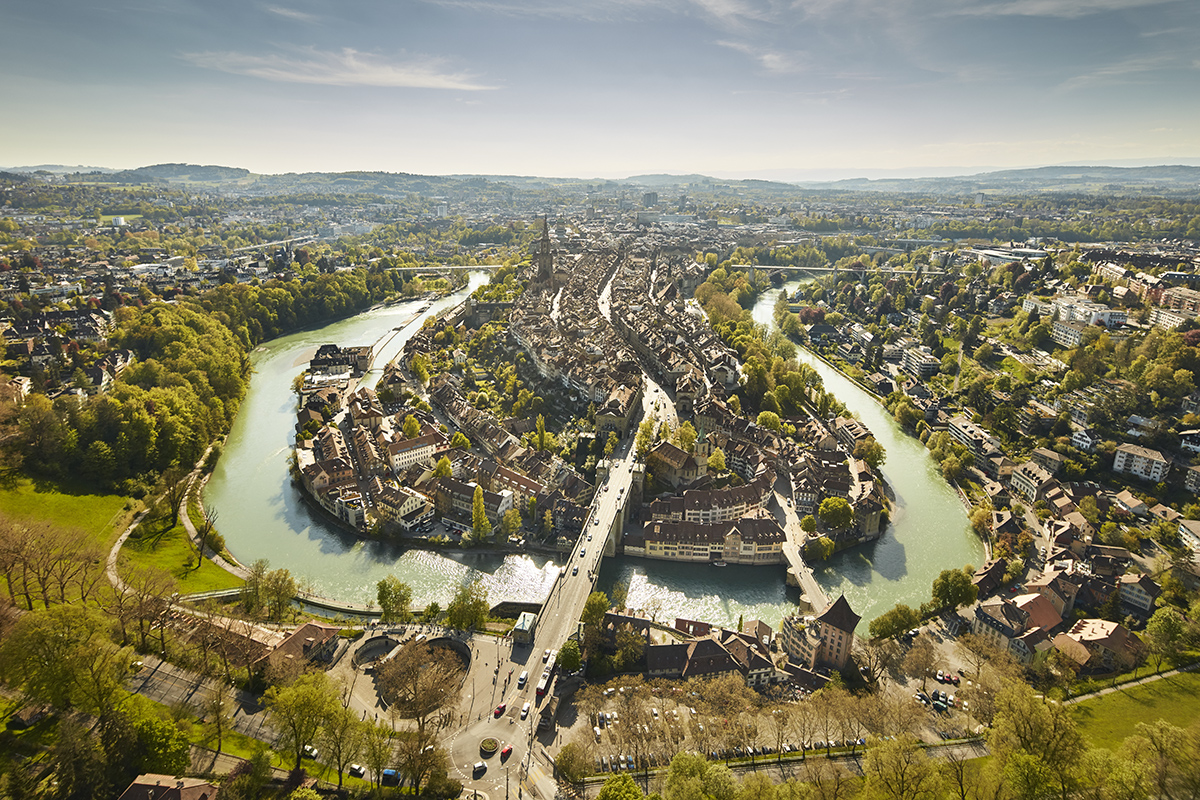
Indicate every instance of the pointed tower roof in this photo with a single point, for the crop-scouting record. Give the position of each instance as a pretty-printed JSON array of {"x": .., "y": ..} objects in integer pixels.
[{"x": 840, "y": 615}]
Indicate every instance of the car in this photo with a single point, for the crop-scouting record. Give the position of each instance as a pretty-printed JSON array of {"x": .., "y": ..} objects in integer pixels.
[
  {"x": 545, "y": 655},
  {"x": 478, "y": 769},
  {"x": 575, "y": 571},
  {"x": 525, "y": 710},
  {"x": 654, "y": 712},
  {"x": 310, "y": 751},
  {"x": 939, "y": 676},
  {"x": 589, "y": 537},
  {"x": 357, "y": 771},
  {"x": 505, "y": 751},
  {"x": 500, "y": 709},
  {"x": 582, "y": 552},
  {"x": 524, "y": 676}
]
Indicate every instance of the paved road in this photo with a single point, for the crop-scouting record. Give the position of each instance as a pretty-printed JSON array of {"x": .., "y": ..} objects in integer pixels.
[{"x": 170, "y": 685}]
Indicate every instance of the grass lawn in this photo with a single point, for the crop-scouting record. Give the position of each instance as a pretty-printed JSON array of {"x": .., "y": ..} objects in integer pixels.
[
  {"x": 171, "y": 552},
  {"x": 102, "y": 515},
  {"x": 1106, "y": 721},
  {"x": 242, "y": 746}
]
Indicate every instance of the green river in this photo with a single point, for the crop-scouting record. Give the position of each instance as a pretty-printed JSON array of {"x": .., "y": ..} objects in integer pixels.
[{"x": 262, "y": 515}]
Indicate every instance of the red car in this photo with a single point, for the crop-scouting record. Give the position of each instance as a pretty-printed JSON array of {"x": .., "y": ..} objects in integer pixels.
[
  {"x": 500, "y": 709},
  {"x": 505, "y": 752}
]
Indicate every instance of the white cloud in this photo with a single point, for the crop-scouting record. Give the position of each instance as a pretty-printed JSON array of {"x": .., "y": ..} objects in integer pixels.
[
  {"x": 1063, "y": 9},
  {"x": 293, "y": 14},
  {"x": 348, "y": 67},
  {"x": 772, "y": 61},
  {"x": 1119, "y": 72}
]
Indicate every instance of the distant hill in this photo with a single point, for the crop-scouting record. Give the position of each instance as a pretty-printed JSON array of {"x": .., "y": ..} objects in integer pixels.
[
  {"x": 180, "y": 173},
  {"x": 1070, "y": 179},
  {"x": 1163, "y": 179},
  {"x": 59, "y": 169}
]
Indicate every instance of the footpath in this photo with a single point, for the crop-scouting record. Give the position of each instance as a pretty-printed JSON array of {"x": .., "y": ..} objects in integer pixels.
[{"x": 1131, "y": 684}]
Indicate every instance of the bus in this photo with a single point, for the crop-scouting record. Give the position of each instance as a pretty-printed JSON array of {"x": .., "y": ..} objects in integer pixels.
[{"x": 544, "y": 683}]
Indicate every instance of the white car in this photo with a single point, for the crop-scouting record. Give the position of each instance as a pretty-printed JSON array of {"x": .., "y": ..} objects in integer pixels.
[{"x": 525, "y": 710}]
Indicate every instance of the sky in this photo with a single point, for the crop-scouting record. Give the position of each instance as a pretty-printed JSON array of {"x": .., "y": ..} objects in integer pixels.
[{"x": 787, "y": 89}]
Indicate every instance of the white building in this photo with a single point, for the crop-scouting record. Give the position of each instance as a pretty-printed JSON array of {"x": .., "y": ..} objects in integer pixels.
[{"x": 1141, "y": 462}]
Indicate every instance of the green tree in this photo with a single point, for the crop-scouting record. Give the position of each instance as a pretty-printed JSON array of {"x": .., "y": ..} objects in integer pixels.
[
  {"x": 899, "y": 769},
  {"x": 644, "y": 439},
  {"x": 685, "y": 437},
  {"x": 897, "y": 620},
  {"x": 541, "y": 432},
  {"x": 820, "y": 549},
  {"x": 443, "y": 469},
  {"x": 63, "y": 656},
  {"x": 693, "y": 777},
  {"x": 871, "y": 452},
  {"x": 573, "y": 763},
  {"x": 769, "y": 420},
  {"x": 620, "y": 787},
  {"x": 594, "y": 609},
  {"x": 569, "y": 657},
  {"x": 459, "y": 439},
  {"x": 394, "y": 597},
  {"x": 279, "y": 589},
  {"x": 716, "y": 461},
  {"x": 159, "y": 745},
  {"x": 611, "y": 445},
  {"x": 1164, "y": 630},
  {"x": 808, "y": 524},
  {"x": 953, "y": 588},
  {"x": 300, "y": 709},
  {"x": 79, "y": 763},
  {"x": 1038, "y": 743},
  {"x": 412, "y": 428},
  {"x": 469, "y": 608},
  {"x": 836, "y": 513},
  {"x": 481, "y": 526},
  {"x": 510, "y": 523}
]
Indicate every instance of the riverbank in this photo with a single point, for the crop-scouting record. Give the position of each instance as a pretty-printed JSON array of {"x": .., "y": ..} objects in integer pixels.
[{"x": 966, "y": 501}]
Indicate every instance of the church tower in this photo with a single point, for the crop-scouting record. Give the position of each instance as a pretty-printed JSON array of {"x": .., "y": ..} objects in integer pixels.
[{"x": 545, "y": 257}]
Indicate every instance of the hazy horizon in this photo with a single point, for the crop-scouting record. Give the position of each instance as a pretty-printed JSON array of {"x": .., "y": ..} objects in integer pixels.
[{"x": 779, "y": 176}]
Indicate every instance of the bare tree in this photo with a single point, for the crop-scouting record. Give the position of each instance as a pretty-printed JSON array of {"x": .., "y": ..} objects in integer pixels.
[
  {"x": 379, "y": 747},
  {"x": 830, "y": 781},
  {"x": 175, "y": 483},
  {"x": 206, "y": 536},
  {"x": 14, "y": 545},
  {"x": 802, "y": 725},
  {"x": 421, "y": 682},
  {"x": 779, "y": 723},
  {"x": 921, "y": 659},
  {"x": 217, "y": 708},
  {"x": 92, "y": 571},
  {"x": 878, "y": 657},
  {"x": 151, "y": 592},
  {"x": 342, "y": 739}
]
